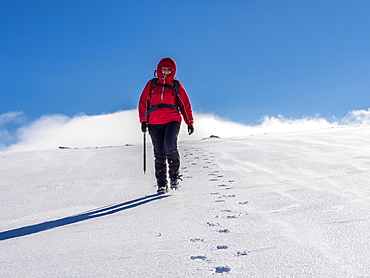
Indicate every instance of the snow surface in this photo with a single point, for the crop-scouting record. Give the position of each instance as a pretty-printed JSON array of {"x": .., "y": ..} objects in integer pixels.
[{"x": 268, "y": 205}]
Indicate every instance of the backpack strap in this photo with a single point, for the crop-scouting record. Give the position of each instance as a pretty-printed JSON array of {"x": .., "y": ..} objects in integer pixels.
[
  {"x": 175, "y": 84},
  {"x": 163, "y": 105}
]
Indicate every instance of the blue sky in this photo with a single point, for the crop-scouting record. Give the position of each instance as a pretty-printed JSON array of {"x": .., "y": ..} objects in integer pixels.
[{"x": 240, "y": 60}]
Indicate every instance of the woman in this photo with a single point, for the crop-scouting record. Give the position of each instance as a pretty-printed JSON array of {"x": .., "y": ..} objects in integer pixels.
[{"x": 161, "y": 105}]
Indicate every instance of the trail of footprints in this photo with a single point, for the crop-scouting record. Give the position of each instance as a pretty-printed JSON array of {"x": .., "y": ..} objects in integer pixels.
[{"x": 222, "y": 193}]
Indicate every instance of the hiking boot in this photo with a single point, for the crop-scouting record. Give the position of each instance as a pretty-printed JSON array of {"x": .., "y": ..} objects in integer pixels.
[
  {"x": 174, "y": 182},
  {"x": 162, "y": 189}
]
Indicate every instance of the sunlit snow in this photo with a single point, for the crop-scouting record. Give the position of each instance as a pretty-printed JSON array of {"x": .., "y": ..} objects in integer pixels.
[{"x": 288, "y": 204}]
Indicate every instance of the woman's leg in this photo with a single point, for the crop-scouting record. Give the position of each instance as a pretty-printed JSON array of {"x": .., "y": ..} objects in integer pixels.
[
  {"x": 172, "y": 153},
  {"x": 157, "y": 134}
]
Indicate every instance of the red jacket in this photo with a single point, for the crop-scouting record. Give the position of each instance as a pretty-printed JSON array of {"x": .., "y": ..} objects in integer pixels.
[{"x": 154, "y": 95}]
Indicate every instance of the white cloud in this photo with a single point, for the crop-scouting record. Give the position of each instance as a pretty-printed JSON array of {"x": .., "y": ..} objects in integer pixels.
[
  {"x": 280, "y": 124},
  {"x": 5, "y": 119},
  {"x": 123, "y": 127},
  {"x": 207, "y": 125},
  {"x": 52, "y": 131},
  {"x": 357, "y": 117},
  {"x": 12, "y": 116},
  {"x": 5, "y": 136}
]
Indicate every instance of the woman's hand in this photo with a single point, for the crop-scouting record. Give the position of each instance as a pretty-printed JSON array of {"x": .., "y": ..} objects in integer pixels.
[{"x": 190, "y": 129}]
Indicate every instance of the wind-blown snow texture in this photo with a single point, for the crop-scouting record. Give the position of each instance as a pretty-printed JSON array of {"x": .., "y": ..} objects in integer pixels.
[{"x": 269, "y": 205}]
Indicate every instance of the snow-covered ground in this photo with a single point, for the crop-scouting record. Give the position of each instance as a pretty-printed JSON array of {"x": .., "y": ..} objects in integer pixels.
[{"x": 268, "y": 205}]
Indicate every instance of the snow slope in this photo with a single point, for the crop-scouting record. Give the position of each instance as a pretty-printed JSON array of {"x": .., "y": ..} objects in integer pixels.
[{"x": 269, "y": 205}]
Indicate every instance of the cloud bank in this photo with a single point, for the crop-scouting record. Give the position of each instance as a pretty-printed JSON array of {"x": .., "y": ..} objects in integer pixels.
[
  {"x": 6, "y": 119},
  {"x": 122, "y": 127}
]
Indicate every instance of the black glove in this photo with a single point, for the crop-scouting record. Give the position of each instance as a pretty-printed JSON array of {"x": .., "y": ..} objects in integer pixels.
[
  {"x": 144, "y": 126},
  {"x": 190, "y": 129}
]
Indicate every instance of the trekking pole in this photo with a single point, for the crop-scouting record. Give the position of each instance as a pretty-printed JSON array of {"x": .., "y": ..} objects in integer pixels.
[{"x": 144, "y": 153}]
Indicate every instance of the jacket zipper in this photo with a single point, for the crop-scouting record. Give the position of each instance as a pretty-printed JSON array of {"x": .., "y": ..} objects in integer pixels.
[{"x": 162, "y": 94}]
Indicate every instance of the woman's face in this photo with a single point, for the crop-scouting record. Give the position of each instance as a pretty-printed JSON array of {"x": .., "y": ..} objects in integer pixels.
[{"x": 166, "y": 71}]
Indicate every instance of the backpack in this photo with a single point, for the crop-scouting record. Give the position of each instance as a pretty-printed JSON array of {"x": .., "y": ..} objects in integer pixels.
[{"x": 163, "y": 105}]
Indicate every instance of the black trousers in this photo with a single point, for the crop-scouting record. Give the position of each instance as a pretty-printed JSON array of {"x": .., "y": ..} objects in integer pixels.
[{"x": 164, "y": 139}]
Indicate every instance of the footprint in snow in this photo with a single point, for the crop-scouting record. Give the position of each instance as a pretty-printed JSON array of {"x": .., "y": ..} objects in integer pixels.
[
  {"x": 202, "y": 258},
  {"x": 197, "y": 240},
  {"x": 229, "y": 216},
  {"x": 222, "y": 247},
  {"x": 229, "y": 196},
  {"x": 222, "y": 269}
]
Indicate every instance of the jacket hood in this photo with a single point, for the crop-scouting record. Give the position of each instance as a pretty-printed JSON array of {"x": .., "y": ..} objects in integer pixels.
[{"x": 167, "y": 63}]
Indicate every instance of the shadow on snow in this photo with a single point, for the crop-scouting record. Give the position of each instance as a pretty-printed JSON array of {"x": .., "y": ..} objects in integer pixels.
[{"x": 28, "y": 230}]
